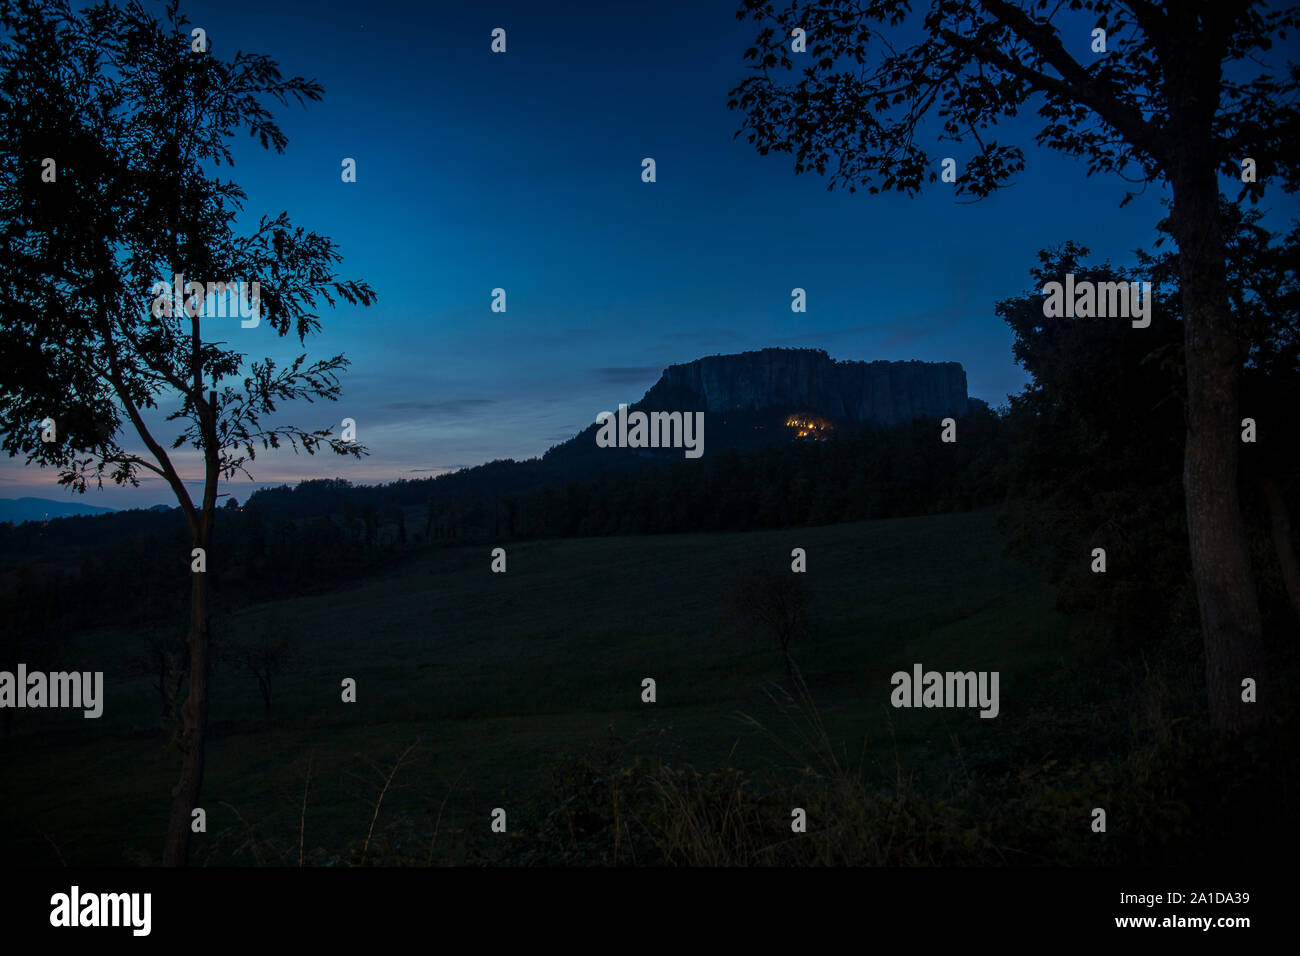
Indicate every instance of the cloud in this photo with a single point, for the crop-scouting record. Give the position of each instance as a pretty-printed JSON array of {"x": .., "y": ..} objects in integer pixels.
[{"x": 455, "y": 406}]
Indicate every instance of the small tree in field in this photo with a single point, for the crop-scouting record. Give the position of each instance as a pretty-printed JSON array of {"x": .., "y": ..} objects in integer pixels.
[
  {"x": 113, "y": 125},
  {"x": 269, "y": 655},
  {"x": 164, "y": 661},
  {"x": 773, "y": 604},
  {"x": 1177, "y": 93}
]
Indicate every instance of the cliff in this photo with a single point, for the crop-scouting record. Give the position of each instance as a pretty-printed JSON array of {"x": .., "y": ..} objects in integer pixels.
[{"x": 883, "y": 393}]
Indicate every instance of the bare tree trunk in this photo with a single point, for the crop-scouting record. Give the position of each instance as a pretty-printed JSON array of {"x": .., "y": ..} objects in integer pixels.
[
  {"x": 1283, "y": 543},
  {"x": 1225, "y": 584},
  {"x": 194, "y": 717}
]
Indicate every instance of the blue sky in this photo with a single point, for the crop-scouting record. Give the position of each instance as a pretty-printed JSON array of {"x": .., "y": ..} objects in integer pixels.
[{"x": 522, "y": 171}]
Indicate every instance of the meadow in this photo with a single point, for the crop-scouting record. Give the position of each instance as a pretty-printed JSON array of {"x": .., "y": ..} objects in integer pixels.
[{"x": 472, "y": 684}]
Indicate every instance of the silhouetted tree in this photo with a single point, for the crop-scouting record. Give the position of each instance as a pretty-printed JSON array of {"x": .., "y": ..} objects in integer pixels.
[
  {"x": 774, "y": 604},
  {"x": 165, "y": 661},
  {"x": 371, "y": 518},
  {"x": 268, "y": 656},
  {"x": 1184, "y": 92},
  {"x": 1098, "y": 456},
  {"x": 133, "y": 118}
]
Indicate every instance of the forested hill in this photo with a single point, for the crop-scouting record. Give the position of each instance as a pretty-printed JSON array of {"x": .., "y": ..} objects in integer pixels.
[{"x": 753, "y": 400}]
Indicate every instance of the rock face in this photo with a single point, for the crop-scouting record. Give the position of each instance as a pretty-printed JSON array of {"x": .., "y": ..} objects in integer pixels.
[{"x": 882, "y": 393}]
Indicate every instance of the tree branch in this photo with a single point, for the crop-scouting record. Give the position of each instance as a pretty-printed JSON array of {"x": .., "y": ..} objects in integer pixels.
[{"x": 1075, "y": 84}]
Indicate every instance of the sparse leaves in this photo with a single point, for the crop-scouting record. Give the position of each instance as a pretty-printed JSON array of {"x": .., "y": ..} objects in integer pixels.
[{"x": 136, "y": 119}]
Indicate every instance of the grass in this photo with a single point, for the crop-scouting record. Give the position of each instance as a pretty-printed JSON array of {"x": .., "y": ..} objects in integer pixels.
[{"x": 496, "y": 675}]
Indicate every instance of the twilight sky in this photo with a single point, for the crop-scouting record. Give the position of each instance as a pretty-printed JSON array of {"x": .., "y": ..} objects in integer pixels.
[{"x": 477, "y": 170}]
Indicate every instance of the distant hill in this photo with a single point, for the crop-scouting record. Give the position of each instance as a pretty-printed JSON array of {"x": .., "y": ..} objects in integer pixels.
[
  {"x": 770, "y": 398},
  {"x": 19, "y": 510}
]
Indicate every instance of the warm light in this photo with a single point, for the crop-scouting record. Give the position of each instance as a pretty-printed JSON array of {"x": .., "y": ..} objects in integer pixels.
[{"x": 815, "y": 428}]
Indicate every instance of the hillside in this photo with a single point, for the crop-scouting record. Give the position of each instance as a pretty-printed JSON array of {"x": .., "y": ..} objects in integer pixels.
[
  {"x": 496, "y": 675},
  {"x": 753, "y": 401},
  {"x": 19, "y": 510}
]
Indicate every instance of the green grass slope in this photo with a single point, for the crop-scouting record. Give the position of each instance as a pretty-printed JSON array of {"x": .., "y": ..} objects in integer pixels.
[{"x": 496, "y": 674}]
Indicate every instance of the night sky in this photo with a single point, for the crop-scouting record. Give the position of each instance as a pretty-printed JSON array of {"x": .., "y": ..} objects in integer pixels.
[{"x": 477, "y": 170}]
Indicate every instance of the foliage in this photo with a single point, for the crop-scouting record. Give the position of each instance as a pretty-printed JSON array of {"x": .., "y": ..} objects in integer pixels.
[
  {"x": 134, "y": 202},
  {"x": 876, "y": 73}
]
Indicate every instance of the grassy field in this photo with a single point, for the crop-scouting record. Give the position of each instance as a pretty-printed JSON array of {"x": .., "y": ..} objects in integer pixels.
[{"x": 496, "y": 674}]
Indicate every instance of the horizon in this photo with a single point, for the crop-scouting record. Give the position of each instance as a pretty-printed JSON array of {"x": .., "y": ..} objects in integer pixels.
[
  {"x": 168, "y": 500},
  {"x": 609, "y": 280},
  {"x": 945, "y": 521}
]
